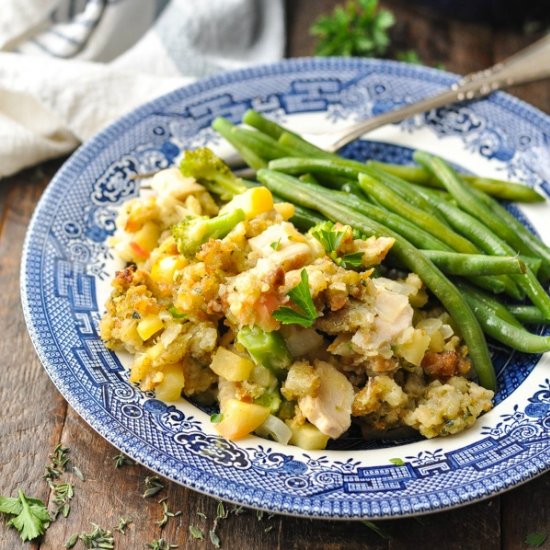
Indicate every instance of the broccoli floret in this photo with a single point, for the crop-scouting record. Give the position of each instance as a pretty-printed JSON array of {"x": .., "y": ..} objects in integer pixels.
[
  {"x": 266, "y": 348},
  {"x": 193, "y": 231},
  {"x": 210, "y": 171}
]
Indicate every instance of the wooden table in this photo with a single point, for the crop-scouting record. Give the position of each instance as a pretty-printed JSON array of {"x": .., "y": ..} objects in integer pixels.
[{"x": 35, "y": 417}]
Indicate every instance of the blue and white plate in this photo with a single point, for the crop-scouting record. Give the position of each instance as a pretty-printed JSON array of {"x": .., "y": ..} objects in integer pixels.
[{"x": 67, "y": 269}]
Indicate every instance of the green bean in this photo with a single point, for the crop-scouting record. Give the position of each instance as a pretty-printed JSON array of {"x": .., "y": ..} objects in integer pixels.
[
  {"x": 528, "y": 282},
  {"x": 403, "y": 188},
  {"x": 263, "y": 124},
  {"x": 454, "y": 263},
  {"x": 392, "y": 201},
  {"x": 304, "y": 218},
  {"x": 497, "y": 324},
  {"x": 224, "y": 127},
  {"x": 497, "y": 188},
  {"x": 411, "y": 257},
  {"x": 416, "y": 235},
  {"x": 301, "y": 147},
  {"x": 265, "y": 147},
  {"x": 470, "y": 200},
  {"x": 532, "y": 245},
  {"x": 528, "y": 314}
]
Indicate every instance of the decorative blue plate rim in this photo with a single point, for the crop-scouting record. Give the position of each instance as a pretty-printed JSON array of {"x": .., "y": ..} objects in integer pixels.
[{"x": 65, "y": 262}]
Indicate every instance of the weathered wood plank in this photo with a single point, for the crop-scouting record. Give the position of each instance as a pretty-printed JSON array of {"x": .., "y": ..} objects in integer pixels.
[
  {"x": 27, "y": 432},
  {"x": 526, "y": 510}
]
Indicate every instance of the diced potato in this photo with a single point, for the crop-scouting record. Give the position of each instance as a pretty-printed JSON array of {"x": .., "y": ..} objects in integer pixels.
[
  {"x": 164, "y": 269},
  {"x": 145, "y": 240},
  {"x": 231, "y": 366},
  {"x": 414, "y": 350},
  {"x": 252, "y": 202},
  {"x": 148, "y": 326},
  {"x": 240, "y": 418},
  {"x": 172, "y": 383},
  {"x": 308, "y": 437}
]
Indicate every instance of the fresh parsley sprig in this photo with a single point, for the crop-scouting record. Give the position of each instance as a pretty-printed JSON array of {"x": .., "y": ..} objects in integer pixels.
[
  {"x": 305, "y": 312},
  {"x": 31, "y": 516},
  {"x": 359, "y": 28},
  {"x": 331, "y": 238}
]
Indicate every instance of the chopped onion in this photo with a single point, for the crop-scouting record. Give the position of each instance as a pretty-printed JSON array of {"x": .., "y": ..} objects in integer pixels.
[
  {"x": 275, "y": 428},
  {"x": 170, "y": 333}
]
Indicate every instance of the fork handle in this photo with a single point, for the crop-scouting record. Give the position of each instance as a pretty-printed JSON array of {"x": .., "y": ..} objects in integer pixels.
[{"x": 530, "y": 64}]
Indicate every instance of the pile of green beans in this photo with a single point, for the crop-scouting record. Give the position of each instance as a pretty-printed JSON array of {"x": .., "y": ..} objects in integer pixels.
[{"x": 448, "y": 228}]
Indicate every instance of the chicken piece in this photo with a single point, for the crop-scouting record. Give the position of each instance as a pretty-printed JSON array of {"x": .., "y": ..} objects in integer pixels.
[
  {"x": 394, "y": 315},
  {"x": 330, "y": 409}
]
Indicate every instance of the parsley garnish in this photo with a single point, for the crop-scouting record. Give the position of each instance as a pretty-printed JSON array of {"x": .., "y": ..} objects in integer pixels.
[
  {"x": 397, "y": 461},
  {"x": 276, "y": 244},
  {"x": 355, "y": 259},
  {"x": 31, "y": 515},
  {"x": 331, "y": 240},
  {"x": 306, "y": 313},
  {"x": 359, "y": 28},
  {"x": 536, "y": 539}
]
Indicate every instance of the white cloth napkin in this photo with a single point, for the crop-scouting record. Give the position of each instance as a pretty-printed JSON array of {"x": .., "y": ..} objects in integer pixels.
[{"x": 70, "y": 67}]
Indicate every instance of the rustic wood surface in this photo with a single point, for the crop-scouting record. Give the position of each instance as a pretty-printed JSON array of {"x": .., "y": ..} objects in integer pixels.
[{"x": 34, "y": 416}]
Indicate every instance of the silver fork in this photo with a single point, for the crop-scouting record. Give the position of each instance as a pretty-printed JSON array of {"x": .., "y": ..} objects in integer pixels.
[{"x": 527, "y": 65}]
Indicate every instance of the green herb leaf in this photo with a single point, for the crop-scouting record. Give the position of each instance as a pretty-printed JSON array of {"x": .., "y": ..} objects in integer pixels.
[
  {"x": 214, "y": 538},
  {"x": 354, "y": 259},
  {"x": 10, "y": 505},
  {"x": 123, "y": 524},
  {"x": 153, "y": 485},
  {"x": 397, "y": 461},
  {"x": 122, "y": 460},
  {"x": 358, "y": 29},
  {"x": 161, "y": 544},
  {"x": 301, "y": 296},
  {"x": 62, "y": 495},
  {"x": 71, "y": 541},
  {"x": 196, "y": 533},
  {"x": 276, "y": 245},
  {"x": 216, "y": 418},
  {"x": 536, "y": 539},
  {"x": 176, "y": 313},
  {"x": 98, "y": 538},
  {"x": 288, "y": 316},
  {"x": 330, "y": 238},
  {"x": 33, "y": 518}
]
